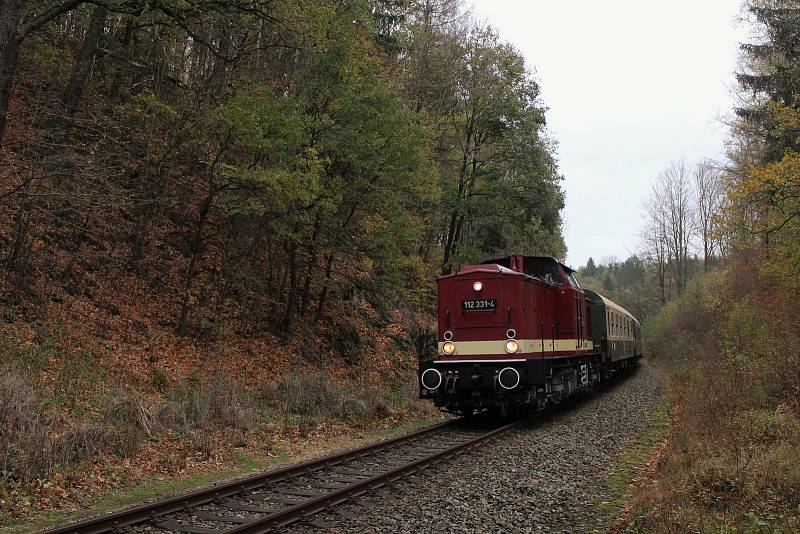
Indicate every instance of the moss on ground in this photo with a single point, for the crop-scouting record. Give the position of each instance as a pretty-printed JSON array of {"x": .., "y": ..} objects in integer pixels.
[{"x": 631, "y": 464}]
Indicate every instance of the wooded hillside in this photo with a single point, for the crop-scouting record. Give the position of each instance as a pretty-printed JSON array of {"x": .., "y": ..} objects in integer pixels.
[
  {"x": 209, "y": 206},
  {"x": 261, "y": 160}
]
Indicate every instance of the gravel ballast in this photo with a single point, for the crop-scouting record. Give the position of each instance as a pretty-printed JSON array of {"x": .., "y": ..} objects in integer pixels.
[{"x": 547, "y": 476}]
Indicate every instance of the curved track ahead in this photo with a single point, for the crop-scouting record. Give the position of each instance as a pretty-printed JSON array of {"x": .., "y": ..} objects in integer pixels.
[{"x": 277, "y": 498}]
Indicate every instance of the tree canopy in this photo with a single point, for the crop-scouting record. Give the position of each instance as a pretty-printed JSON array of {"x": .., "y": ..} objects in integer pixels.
[{"x": 272, "y": 159}]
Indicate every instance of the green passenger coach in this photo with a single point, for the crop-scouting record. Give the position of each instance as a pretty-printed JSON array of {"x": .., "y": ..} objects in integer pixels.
[{"x": 614, "y": 330}]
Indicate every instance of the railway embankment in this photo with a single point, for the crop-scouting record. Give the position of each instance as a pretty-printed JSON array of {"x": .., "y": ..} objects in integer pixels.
[
  {"x": 81, "y": 441},
  {"x": 548, "y": 476}
]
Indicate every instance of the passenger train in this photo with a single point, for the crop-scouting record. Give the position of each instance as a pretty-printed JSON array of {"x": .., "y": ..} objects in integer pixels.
[{"x": 520, "y": 333}]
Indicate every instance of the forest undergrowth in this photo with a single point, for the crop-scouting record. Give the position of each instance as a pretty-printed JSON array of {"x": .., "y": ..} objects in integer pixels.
[
  {"x": 99, "y": 394},
  {"x": 731, "y": 461},
  {"x": 75, "y": 427}
]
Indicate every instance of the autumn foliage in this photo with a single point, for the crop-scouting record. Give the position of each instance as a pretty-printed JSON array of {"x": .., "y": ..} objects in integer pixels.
[
  {"x": 220, "y": 223},
  {"x": 731, "y": 461}
]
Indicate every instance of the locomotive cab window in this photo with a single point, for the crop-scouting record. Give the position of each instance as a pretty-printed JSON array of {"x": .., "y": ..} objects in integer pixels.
[
  {"x": 544, "y": 268},
  {"x": 573, "y": 282}
]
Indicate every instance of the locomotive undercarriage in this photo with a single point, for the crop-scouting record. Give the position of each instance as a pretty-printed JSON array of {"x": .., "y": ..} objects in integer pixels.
[{"x": 469, "y": 387}]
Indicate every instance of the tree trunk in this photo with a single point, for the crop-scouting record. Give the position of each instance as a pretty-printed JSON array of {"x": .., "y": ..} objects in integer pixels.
[
  {"x": 291, "y": 298},
  {"x": 84, "y": 62},
  {"x": 11, "y": 12},
  {"x": 463, "y": 191},
  {"x": 116, "y": 83},
  {"x": 20, "y": 228},
  {"x": 324, "y": 295},
  {"x": 139, "y": 233},
  {"x": 448, "y": 246},
  {"x": 312, "y": 265},
  {"x": 196, "y": 246}
]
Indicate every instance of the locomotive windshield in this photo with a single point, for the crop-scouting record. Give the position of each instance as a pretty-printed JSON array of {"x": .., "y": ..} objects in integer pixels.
[{"x": 543, "y": 268}]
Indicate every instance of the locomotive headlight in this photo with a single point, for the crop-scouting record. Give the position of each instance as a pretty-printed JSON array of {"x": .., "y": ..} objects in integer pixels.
[
  {"x": 449, "y": 347},
  {"x": 512, "y": 346},
  {"x": 477, "y": 286}
]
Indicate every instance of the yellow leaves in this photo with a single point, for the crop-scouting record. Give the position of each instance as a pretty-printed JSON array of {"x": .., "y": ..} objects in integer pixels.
[
  {"x": 787, "y": 118},
  {"x": 312, "y": 164},
  {"x": 374, "y": 224},
  {"x": 771, "y": 178},
  {"x": 766, "y": 203}
]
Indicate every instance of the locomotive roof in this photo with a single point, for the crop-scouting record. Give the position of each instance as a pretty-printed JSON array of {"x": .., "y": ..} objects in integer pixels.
[
  {"x": 494, "y": 266},
  {"x": 486, "y": 268},
  {"x": 564, "y": 266}
]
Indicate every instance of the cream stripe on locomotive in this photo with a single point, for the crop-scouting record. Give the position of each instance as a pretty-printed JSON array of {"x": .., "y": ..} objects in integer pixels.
[{"x": 497, "y": 346}]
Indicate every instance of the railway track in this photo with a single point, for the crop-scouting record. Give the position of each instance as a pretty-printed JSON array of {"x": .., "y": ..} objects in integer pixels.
[{"x": 274, "y": 499}]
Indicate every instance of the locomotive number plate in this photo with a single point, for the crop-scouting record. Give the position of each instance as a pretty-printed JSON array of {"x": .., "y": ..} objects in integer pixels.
[{"x": 479, "y": 304}]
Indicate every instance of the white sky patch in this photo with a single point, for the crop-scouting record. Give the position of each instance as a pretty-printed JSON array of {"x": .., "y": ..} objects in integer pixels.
[{"x": 630, "y": 85}]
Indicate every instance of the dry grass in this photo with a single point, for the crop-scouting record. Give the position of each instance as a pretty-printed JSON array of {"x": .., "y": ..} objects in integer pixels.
[
  {"x": 307, "y": 398},
  {"x": 64, "y": 425},
  {"x": 34, "y": 443}
]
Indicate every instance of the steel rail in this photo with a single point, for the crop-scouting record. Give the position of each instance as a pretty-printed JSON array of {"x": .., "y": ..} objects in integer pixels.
[
  {"x": 149, "y": 511},
  {"x": 318, "y": 504}
]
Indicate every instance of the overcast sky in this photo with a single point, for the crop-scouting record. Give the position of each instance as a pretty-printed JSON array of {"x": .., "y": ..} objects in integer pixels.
[{"x": 630, "y": 85}]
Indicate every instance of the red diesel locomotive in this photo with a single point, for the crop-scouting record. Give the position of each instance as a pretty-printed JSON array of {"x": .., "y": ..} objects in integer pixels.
[{"x": 520, "y": 332}]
